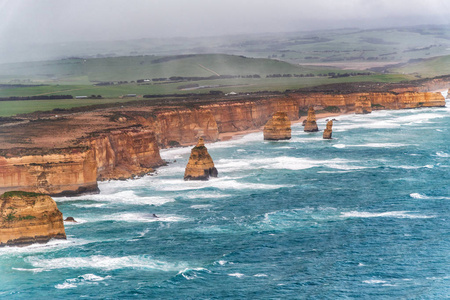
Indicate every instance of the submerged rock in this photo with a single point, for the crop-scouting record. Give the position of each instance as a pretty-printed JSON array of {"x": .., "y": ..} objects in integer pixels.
[
  {"x": 278, "y": 127},
  {"x": 311, "y": 125},
  {"x": 328, "y": 131},
  {"x": 27, "y": 218},
  {"x": 200, "y": 165}
]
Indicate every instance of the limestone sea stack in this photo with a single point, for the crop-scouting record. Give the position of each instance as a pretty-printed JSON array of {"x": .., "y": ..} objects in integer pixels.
[
  {"x": 448, "y": 94},
  {"x": 310, "y": 124},
  {"x": 278, "y": 128},
  {"x": 328, "y": 131},
  {"x": 27, "y": 218},
  {"x": 200, "y": 165}
]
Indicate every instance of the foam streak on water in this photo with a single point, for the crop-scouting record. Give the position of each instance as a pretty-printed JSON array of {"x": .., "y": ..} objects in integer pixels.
[{"x": 362, "y": 216}]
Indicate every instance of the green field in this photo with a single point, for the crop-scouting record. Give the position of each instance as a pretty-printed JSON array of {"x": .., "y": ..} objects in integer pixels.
[
  {"x": 426, "y": 68},
  {"x": 261, "y": 55}
]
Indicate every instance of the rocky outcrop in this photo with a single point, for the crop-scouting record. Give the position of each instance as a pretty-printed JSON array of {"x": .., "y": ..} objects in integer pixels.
[
  {"x": 328, "y": 131},
  {"x": 27, "y": 218},
  {"x": 310, "y": 124},
  {"x": 41, "y": 156},
  {"x": 278, "y": 127},
  {"x": 363, "y": 105},
  {"x": 200, "y": 165},
  {"x": 57, "y": 171},
  {"x": 124, "y": 153}
]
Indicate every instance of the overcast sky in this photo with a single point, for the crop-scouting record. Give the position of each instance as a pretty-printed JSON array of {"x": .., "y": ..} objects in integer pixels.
[{"x": 46, "y": 21}]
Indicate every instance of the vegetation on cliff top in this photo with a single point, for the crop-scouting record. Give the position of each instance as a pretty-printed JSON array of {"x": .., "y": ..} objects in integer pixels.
[{"x": 21, "y": 194}]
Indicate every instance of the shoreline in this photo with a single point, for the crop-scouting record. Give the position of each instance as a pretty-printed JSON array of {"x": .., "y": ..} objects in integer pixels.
[{"x": 226, "y": 136}]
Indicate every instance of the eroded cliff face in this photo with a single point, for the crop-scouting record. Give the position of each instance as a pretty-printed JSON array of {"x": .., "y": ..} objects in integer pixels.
[
  {"x": 278, "y": 127},
  {"x": 60, "y": 172},
  {"x": 124, "y": 153},
  {"x": 27, "y": 218},
  {"x": 111, "y": 151},
  {"x": 200, "y": 165}
]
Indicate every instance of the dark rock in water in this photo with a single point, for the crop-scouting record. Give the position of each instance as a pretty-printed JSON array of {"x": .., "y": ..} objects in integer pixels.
[
  {"x": 310, "y": 124},
  {"x": 278, "y": 127},
  {"x": 328, "y": 131},
  {"x": 200, "y": 165},
  {"x": 70, "y": 219}
]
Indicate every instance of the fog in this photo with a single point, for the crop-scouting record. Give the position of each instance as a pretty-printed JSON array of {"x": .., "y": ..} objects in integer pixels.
[{"x": 47, "y": 21}]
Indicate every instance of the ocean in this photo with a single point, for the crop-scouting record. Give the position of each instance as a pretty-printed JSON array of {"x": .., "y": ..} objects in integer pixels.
[{"x": 365, "y": 215}]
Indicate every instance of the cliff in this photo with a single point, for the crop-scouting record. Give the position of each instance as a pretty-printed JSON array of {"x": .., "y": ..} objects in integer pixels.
[
  {"x": 124, "y": 153},
  {"x": 200, "y": 165},
  {"x": 310, "y": 124},
  {"x": 63, "y": 171},
  {"x": 328, "y": 131},
  {"x": 66, "y": 155},
  {"x": 27, "y": 218},
  {"x": 278, "y": 127}
]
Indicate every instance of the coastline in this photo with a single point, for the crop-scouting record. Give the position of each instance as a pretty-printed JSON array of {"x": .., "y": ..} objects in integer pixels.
[{"x": 226, "y": 136}]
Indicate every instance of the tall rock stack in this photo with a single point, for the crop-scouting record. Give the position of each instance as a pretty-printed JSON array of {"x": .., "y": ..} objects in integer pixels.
[
  {"x": 448, "y": 94},
  {"x": 328, "y": 131},
  {"x": 27, "y": 218},
  {"x": 200, "y": 165},
  {"x": 278, "y": 128},
  {"x": 310, "y": 124}
]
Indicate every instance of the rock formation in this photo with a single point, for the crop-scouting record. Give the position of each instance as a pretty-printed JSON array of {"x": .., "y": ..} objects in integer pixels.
[
  {"x": 311, "y": 125},
  {"x": 27, "y": 218},
  {"x": 66, "y": 155},
  {"x": 363, "y": 105},
  {"x": 200, "y": 165},
  {"x": 328, "y": 131},
  {"x": 278, "y": 128},
  {"x": 448, "y": 94}
]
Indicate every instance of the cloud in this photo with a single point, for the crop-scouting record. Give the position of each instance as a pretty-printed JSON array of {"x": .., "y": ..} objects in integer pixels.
[{"x": 47, "y": 21}]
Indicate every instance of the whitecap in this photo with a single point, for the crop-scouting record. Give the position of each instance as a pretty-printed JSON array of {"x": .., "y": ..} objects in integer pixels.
[
  {"x": 81, "y": 280},
  {"x": 442, "y": 154},
  {"x": 190, "y": 274},
  {"x": 238, "y": 275},
  {"x": 260, "y": 275},
  {"x": 54, "y": 244},
  {"x": 375, "y": 281},
  {"x": 124, "y": 197},
  {"x": 389, "y": 214},
  {"x": 418, "y": 196},
  {"x": 201, "y": 206},
  {"x": 34, "y": 270},
  {"x": 105, "y": 263},
  {"x": 141, "y": 218}
]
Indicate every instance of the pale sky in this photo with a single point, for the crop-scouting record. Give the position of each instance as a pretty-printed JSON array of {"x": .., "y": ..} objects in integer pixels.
[{"x": 45, "y": 21}]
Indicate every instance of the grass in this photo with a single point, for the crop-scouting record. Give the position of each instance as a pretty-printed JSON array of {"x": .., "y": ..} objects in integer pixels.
[{"x": 427, "y": 68}]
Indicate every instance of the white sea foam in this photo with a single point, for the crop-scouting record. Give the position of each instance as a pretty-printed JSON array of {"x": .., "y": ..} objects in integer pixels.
[
  {"x": 52, "y": 245},
  {"x": 374, "y": 145},
  {"x": 105, "y": 263},
  {"x": 124, "y": 197},
  {"x": 260, "y": 275},
  {"x": 238, "y": 275},
  {"x": 191, "y": 274},
  {"x": 201, "y": 206},
  {"x": 141, "y": 218},
  {"x": 34, "y": 270},
  {"x": 389, "y": 214},
  {"x": 422, "y": 196},
  {"x": 375, "y": 281},
  {"x": 442, "y": 154},
  {"x": 81, "y": 280},
  {"x": 418, "y": 196}
]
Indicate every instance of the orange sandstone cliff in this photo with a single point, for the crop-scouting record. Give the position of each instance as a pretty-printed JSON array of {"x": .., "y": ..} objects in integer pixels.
[
  {"x": 278, "y": 127},
  {"x": 27, "y": 218},
  {"x": 200, "y": 165},
  {"x": 67, "y": 155}
]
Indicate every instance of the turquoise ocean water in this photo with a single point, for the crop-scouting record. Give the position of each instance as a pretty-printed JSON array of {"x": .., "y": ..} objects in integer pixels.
[{"x": 363, "y": 216}]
